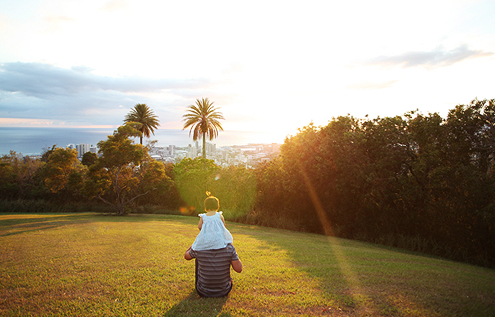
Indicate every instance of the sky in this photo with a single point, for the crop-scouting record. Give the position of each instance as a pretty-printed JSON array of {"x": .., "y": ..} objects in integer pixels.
[{"x": 270, "y": 67}]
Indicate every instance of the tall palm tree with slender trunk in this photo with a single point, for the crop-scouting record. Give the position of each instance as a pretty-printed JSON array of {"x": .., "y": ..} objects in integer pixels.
[
  {"x": 203, "y": 119},
  {"x": 143, "y": 114}
]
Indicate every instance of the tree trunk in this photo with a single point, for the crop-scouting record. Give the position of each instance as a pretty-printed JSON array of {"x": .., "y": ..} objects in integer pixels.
[
  {"x": 120, "y": 209},
  {"x": 204, "y": 145}
]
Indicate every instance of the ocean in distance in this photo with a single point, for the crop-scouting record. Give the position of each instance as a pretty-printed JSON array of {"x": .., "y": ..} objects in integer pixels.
[{"x": 33, "y": 141}]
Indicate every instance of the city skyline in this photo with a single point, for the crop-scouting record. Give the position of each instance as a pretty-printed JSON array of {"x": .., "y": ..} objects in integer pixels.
[
  {"x": 270, "y": 68},
  {"x": 33, "y": 142},
  {"x": 247, "y": 155}
]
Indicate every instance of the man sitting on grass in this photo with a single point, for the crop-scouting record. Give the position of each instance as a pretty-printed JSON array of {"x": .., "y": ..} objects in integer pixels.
[
  {"x": 214, "y": 253},
  {"x": 212, "y": 276}
]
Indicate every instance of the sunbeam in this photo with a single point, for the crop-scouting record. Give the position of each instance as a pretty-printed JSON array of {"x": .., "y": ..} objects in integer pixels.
[{"x": 356, "y": 290}]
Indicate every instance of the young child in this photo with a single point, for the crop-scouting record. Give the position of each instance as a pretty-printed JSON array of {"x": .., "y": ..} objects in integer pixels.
[{"x": 212, "y": 234}]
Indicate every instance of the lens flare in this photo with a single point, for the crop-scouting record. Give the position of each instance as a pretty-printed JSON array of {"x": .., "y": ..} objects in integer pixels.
[{"x": 183, "y": 210}]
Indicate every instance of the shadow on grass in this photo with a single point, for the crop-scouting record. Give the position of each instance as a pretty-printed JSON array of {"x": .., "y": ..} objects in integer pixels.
[
  {"x": 194, "y": 305},
  {"x": 18, "y": 223},
  {"x": 23, "y": 223}
]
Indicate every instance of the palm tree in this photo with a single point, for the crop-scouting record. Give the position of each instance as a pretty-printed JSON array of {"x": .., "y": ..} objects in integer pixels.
[
  {"x": 143, "y": 114},
  {"x": 203, "y": 118}
]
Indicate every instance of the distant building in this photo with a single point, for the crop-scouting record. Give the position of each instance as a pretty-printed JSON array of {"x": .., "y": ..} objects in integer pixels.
[
  {"x": 211, "y": 148},
  {"x": 192, "y": 151},
  {"x": 239, "y": 155},
  {"x": 83, "y": 148},
  {"x": 271, "y": 148}
]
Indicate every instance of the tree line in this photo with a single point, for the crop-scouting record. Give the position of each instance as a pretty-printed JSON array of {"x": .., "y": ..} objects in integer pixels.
[
  {"x": 414, "y": 181},
  {"x": 419, "y": 182}
]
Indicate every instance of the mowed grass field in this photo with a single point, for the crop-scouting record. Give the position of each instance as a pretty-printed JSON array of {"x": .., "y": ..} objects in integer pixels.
[{"x": 95, "y": 265}]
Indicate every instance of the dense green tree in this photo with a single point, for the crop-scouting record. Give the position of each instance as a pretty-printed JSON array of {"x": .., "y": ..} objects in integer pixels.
[
  {"x": 164, "y": 194},
  {"x": 46, "y": 153},
  {"x": 9, "y": 185},
  {"x": 89, "y": 158},
  {"x": 414, "y": 181},
  {"x": 193, "y": 178},
  {"x": 124, "y": 171},
  {"x": 235, "y": 186},
  {"x": 203, "y": 120},
  {"x": 63, "y": 171},
  {"x": 143, "y": 114}
]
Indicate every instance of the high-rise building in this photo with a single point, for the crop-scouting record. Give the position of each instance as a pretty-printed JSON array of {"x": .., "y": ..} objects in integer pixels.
[
  {"x": 192, "y": 151},
  {"x": 83, "y": 148},
  {"x": 210, "y": 148}
]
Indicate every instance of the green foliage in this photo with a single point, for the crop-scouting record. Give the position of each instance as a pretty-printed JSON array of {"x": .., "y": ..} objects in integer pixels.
[
  {"x": 203, "y": 119},
  {"x": 124, "y": 171},
  {"x": 89, "y": 158},
  {"x": 19, "y": 177},
  {"x": 146, "y": 118},
  {"x": 193, "y": 178},
  {"x": 63, "y": 171},
  {"x": 8, "y": 176},
  {"x": 60, "y": 179},
  {"x": 412, "y": 178},
  {"x": 235, "y": 187},
  {"x": 47, "y": 152}
]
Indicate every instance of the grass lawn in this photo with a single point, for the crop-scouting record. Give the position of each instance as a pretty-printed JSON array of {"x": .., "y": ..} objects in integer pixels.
[{"x": 94, "y": 265}]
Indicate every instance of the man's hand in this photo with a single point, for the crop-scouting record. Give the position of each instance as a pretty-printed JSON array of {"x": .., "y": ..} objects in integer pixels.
[
  {"x": 187, "y": 256},
  {"x": 237, "y": 266}
]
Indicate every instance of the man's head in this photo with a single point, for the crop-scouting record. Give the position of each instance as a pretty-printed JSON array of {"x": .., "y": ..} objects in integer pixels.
[{"x": 212, "y": 204}]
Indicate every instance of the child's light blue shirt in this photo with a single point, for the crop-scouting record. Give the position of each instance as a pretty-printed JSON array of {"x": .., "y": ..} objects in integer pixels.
[{"x": 213, "y": 234}]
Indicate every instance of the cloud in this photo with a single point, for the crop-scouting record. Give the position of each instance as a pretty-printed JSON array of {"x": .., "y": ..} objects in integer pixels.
[
  {"x": 76, "y": 96},
  {"x": 39, "y": 79},
  {"x": 429, "y": 59},
  {"x": 82, "y": 69}
]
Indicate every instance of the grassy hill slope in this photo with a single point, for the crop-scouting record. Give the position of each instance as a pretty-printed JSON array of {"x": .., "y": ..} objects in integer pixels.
[{"x": 93, "y": 265}]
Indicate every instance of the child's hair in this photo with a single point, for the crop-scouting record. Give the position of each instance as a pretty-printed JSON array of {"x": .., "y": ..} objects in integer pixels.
[{"x": 212, "y": 203}]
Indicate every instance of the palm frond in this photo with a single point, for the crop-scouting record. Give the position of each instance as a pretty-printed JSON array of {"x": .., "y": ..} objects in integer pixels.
[
  {"x": 143, "y": 114},
  {"x": 202, "y": 119}
]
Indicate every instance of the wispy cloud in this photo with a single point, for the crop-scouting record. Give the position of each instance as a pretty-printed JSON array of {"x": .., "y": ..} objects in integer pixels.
[
  {"x": 79, "y": 97},
  {"x": 429, "y": 59},
  {"x": 42, "y": 79}
]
